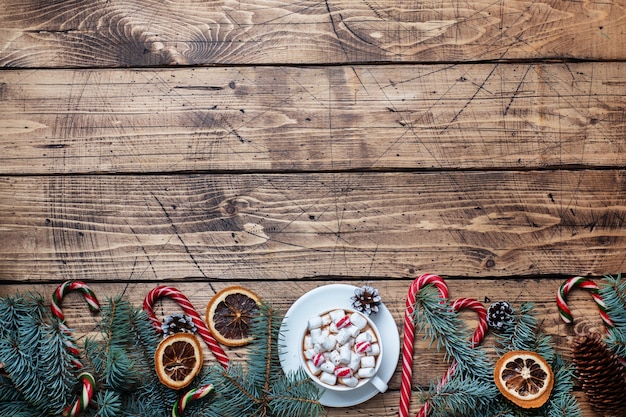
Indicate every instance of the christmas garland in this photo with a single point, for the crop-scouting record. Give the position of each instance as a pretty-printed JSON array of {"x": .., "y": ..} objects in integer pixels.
[
  {"x": 43, "y": 371},
  {"x": 474, "y": 386}
]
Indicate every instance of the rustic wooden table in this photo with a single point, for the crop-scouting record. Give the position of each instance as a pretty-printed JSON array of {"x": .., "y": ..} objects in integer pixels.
[{"x": 287, "y": 145}]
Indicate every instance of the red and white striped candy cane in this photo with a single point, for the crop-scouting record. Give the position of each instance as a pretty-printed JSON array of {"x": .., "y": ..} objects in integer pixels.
[
  {"x": 585, "y": 284},
  {"x": 188, "y": 308},
  {"x": 87, "y": 380},
  {"x": 409, "y": 335},
  {"x": 477, "y": 337}
]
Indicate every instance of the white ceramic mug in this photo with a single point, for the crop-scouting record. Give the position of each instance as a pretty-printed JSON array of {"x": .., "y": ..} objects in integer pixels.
[{"x": 313, "y": 371}]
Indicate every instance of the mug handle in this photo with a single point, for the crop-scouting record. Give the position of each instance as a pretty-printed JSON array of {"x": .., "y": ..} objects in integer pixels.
[{"x": 378, "y": 383}]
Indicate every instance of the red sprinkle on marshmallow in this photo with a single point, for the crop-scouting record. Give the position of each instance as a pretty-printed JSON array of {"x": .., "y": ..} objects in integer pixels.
[
  {"x": 343, "y": 372},
  {"x": 362, "y": 347},
  {"x": 318, "y": 359},
  {"x": 343, "y": 322}
]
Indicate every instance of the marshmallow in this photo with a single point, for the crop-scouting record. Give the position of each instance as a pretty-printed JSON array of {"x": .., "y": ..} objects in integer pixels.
[
  {"x": 309, "y": 353},
  {"x": 353, "y": 330},
  {"x": 318, "y": 359},
  {"x": 327, "y": 367},
  {"x": 308, "y": 344},
  {"x": 327, "y": 378},
  {"x": 314, "y": 369},
  {"x": 315, "y": 335},
  {"x": 315, "y": 322},
  {"x": 345, "y": 354},
  {"x": 362, "y": 347},
  {"x": 335, "y": 315},
  {"x": 349, "y": 381},
  {"x": 366, "y": 372},
  {"x": 343, "y": 372},
  {"x": 343, "y": 322},
  {"x": 341, "y": 348},
  {"x": 368, "y": 362},
  {"x": 332, "y": 327},
  {"x": 355, "y": 361},
  {"x": 358, "y": 320},
  {"x": 364, "y": 337},
  {"x": 343, "y": 336},
  {"x": 329, "y": 342},
  {"x": 372, "y": 335},
  {"x": 335, "y": 357}
]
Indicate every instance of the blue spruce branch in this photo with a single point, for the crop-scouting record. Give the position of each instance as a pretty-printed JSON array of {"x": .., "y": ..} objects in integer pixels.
[{"x": 614, "y": 294}]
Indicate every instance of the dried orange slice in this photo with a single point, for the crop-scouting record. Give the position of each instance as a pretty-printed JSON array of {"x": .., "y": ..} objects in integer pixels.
[
  {"x": 178, "y": 359},
  {"x": 525, "y": 378},
  {"x": 230, "y": 313}
]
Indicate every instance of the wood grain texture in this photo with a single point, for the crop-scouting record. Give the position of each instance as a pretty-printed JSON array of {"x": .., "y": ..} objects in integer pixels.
[
  {"x": 293, "y": 226},
  {"x": 428, "y": 365},
  {"x": 314, "y": 119},
  {"x": 285, "y": 145},
  {"x": 118, "y": 33}
]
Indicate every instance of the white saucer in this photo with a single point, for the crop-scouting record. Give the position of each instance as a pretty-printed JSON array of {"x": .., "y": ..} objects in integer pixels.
[{"x": 327, "y": 297}]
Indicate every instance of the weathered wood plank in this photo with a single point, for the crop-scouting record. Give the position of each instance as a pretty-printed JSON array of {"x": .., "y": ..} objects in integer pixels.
[
  {"x": 291, "y": 119},
  {"x": 293, "y": 226},
  {"x": 428, "y": 365},
  {"x": 114, "y": 33}
]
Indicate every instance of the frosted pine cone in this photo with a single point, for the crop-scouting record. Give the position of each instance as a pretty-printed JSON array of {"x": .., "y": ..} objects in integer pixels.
[
  {"x": 366, "y": 300},
  {"x": 499, "y": 315},
  {"x": 177, "y": 323}
]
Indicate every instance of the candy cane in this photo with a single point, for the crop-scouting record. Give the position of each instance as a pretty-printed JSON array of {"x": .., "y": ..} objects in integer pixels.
[
  {"x": 585, "y": 284},
  {"x": 193, "y": 395},
  {"x": 409, "y": 335},
  {"x": 477, "y": 337},
  {"x": 203, "y": 331},
  {"x": 87, "y": 380},
  {"x": 84, "y": 399}
]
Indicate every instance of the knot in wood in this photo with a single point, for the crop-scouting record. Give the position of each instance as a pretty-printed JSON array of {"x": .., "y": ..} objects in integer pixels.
[{"x": 234, "y": 206}]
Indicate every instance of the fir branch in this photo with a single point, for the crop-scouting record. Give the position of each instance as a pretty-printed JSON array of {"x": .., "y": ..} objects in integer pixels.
[
  {"x": 111, "y": 356},
  {"x": 55, "y": 367},
  {"x": 443, "y": 327},
  {"x": 234, "y": 394},
  {"x": 616, "y": 341},
  {"x": 264, "y": 330},
  {"x": 120, "y": 373},
  {"x": 145, "y": 341},
  {"x": 119, "y": 361},
  {"x": 29, "y": 341},
  {"x": 18, "y": 409},
  {"x": 521, "y": 334},
  {"x": 94, "y": 361},
  {"x": 562, "y": 402},
  {"x": 471, "y": 386},
  {"x": 453, "y": 398},
  {"x": 8, "y": 392},
  {"x": 109, "y": 404},
  {"x": 261, "y": 387},
  {"x": 614, "y": 296},
  {"x": 291, "y": 396},
  {"x": 9, "y": 315},
  {"x": 23, "y": 372}
]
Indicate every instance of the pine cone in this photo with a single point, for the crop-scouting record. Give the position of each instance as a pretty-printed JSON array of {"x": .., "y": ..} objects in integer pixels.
[
  {"x": 366, "y": 300},
  {"x": 601, "y": 374},
  {"x": 499, "y": 315},
  {"x": 177, "y": 323}
]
